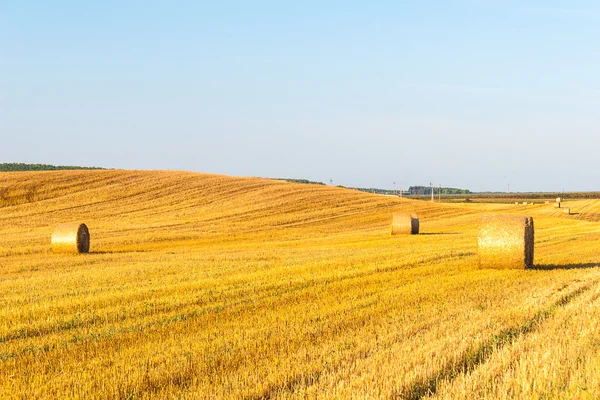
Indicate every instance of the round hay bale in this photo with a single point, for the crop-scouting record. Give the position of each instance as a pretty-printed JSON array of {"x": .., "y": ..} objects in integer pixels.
[
  {"x": 524, "y": 203},
  {"x": 558, "y": 199},
  {"x": 71, "y": 238},
  {"x": 505, "y": 242},
  {"x": 516, "y": 202},
  {"x": 567, "y": 210},
  {"x": 557, "y": 205},
  {"x": 405, "y": 224}
]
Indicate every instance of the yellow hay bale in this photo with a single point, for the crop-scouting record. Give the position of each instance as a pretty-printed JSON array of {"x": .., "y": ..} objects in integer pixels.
[
  {"x": 71, "y": 238},
  {"x": 567, "y": 210},
  {"x": 556, "y": 205},
  {"x": 530, "y": 204},
  {"x": 405, "y": 224},
  {"x": 505, "y": 241},
  {"x": 558, "y": 199},
  {"x": 516, "y": 202},
  {"x": 524, "y": 203},
  {"x": 546, "y": 202}
]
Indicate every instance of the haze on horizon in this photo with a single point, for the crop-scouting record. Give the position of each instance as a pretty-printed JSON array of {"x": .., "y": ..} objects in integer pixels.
[{"x": 463, "y": 93}]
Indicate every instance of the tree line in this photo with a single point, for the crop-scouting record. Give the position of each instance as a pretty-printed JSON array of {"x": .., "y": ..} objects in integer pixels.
[
  {"x": 16, "y": 167},
  {"x": 425, "y": 190}
]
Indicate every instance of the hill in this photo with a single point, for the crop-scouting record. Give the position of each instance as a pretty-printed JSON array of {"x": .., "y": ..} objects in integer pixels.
[{"x": 222, "y": 287}]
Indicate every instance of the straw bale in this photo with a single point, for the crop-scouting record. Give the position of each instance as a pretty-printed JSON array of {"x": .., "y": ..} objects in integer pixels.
[
  {"x": 405, "y": 224},
  {"x": 558, "y": 199},
  {"x": 556, "y": 205},
  {"x": 71, "y": 238},
  {"x": 546, "y": 202},
  {"x": 567, "y": 210},
  {"x": 516, "y": 202},
  {"x": 505, "y": 242},
  {"x": 524, "y": 203}
]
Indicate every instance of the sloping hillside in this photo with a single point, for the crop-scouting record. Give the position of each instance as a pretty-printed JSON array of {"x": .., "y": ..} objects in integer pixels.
[
  {"x": 219, "y": 287},
  {"x": 143, "y": 210}
]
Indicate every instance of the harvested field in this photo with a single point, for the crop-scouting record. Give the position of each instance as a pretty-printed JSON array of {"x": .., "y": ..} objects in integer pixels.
[{"x": 253, "y": 288}]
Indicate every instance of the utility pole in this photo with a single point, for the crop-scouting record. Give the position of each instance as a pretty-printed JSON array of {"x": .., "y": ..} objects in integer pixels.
[{"x": 431, "y": 187}]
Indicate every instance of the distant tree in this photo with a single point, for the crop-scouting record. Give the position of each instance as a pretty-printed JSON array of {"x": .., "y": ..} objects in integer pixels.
[
  {"x": 14, "y": 167},
  {"x": 303, "y": 181}
]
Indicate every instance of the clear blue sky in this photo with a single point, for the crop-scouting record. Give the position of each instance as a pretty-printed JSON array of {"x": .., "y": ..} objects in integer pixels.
[{"x": 464, "y": 93}]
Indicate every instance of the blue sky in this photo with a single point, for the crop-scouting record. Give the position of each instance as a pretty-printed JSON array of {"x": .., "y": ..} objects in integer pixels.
[{"x": 472, "y": 94}]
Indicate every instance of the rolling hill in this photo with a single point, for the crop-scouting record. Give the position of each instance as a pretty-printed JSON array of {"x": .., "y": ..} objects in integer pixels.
[{"x": 208, "y": 286}]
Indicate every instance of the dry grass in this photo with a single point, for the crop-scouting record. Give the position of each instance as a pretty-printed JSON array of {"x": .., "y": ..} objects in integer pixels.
[
  {"x": 204, "y": 286},
  {"x": 71, "y": 238},
  {"x": 505, "y": 241},
  {"x": 405, "y": 224}
]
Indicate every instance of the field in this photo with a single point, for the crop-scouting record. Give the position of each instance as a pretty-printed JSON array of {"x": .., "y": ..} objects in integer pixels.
[{"x": 206, "y": 286}]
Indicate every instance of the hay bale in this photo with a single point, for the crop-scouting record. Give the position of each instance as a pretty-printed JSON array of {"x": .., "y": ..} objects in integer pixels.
[
  {"x": 405, "y": 224},
  {"x": 71, "y": 238},
  {"x": 546, "y": 202},
  {"x": 558, "y": 199},
  {"x": 567, "y": 210},
  {"x": 505, "y": 241},
  {"x": 556, "y": 205},
  {"x": 524, "y": 203},
  {"x": 516, "y": 202},
  {"x": 530, "y": 204}
]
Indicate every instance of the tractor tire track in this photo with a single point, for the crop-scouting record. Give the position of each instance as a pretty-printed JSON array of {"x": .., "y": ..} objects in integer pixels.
[{"x": 472, "y": 359}]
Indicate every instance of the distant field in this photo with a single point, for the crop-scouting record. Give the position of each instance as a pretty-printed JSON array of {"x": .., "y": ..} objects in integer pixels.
[
  {"x": 511, "y": 198},
  {"x": 206, "y": 286}
]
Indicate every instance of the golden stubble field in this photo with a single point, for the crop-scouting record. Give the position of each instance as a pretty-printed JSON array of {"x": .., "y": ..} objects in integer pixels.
[{"x": 206, "y": 286}]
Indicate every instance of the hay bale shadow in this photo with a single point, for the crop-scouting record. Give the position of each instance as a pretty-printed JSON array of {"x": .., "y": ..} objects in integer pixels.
[
  {"x": 547, "y": 267},
  {"x": 119, "y": 251},
  {"x": 438, "y": 233}
]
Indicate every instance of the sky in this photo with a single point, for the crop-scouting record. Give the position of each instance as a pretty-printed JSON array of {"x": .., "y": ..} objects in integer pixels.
[{"x": 461, "y": 93}]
